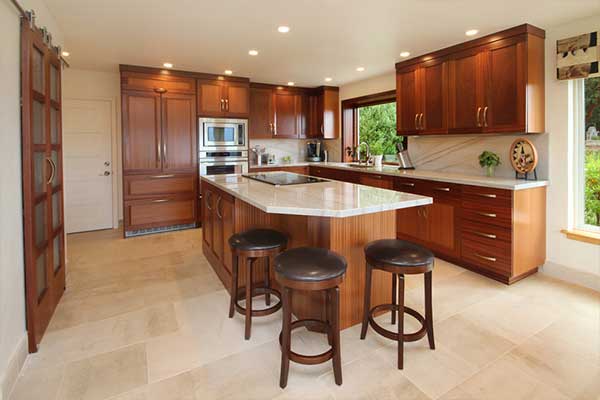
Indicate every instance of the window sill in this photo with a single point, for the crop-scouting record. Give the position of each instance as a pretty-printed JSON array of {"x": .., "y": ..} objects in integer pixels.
[{"x": 582, "y": 236}]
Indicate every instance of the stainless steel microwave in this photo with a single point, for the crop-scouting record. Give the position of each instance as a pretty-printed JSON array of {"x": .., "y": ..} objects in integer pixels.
[{"x": 222, "y": 134}]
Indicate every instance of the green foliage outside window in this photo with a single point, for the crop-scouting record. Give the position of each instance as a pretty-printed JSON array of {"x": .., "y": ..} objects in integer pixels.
[
  {"x": 592, "y": 153},
  {"x": 377, "y": 127}
]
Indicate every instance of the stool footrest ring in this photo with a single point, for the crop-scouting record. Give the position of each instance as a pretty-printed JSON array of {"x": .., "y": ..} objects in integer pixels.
[
  {"x": 408, "y": 337},
  {"x": 313, "y": 359},
  {"x": 257, "y": 291}
]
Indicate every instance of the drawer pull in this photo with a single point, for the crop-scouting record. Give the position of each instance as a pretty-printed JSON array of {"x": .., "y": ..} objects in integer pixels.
[
  {"x": 491, "y": 215},
  {"x": 442, "y": 189},
  {"x": 485, "y": 235},
  {"x": 219, "y": 215},
  {"x": 162, "y": 176},
  {"x": 492, "y": 259},
  {"x": 406, "y": 184},
  {"x": 207, "y": 201},
  {"x": 160, "y": 201},
  {"x": 488, "y": 195}
]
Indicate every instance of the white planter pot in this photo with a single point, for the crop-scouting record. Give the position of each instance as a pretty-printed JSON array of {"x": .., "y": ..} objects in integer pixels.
[{"x": 378, "y": 160}]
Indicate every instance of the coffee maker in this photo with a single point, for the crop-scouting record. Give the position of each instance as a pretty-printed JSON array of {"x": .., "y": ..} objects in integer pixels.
[{"x": 315, "y": 151}]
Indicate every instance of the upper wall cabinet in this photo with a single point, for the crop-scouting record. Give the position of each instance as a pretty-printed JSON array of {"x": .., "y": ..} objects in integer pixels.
[
  {"x": 223, "y": 98},
  {"x": 493, "y": 84}
]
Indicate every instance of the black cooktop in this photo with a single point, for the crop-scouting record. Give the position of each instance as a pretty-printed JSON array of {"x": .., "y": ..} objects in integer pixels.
[{"x": 283, "y": 178}]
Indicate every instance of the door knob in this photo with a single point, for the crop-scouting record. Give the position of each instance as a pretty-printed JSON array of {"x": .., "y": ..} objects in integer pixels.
[
  {"x": 106, "y": 173},
  {"x": 107, "y": 163}
]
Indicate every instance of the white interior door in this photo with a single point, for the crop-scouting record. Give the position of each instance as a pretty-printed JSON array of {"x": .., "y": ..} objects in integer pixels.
[{"x": 88, "y": 169}]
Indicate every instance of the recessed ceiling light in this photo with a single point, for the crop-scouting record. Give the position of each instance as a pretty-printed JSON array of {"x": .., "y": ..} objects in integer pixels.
[
  {"x": 291, "y": 83},
  {"x": 471, "y": 32},
  {"x": 65, "y": 54},
  {"x": 404, "y": 54},
  {"x": 360, "y": 69},
  {"x": 283, "y": 29},
  {"x": 253, "y": 52},
  {"x": 168, "y": 65},
  {"x": 328, "y": 79},
  {"x": 228, "y": 72}
]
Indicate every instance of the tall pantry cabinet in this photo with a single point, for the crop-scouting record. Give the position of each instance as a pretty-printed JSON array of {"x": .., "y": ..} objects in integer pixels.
[{"x": 160, "y": 166}]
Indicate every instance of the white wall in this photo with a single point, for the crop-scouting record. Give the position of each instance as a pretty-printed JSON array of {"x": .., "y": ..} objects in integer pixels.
[
  {"x": 12, "y": 299},
  {"x": 563, "y": 252},
  {"x": 95, "y": 85}
]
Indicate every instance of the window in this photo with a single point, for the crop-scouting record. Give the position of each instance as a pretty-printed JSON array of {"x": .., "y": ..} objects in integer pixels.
[
  {"x": 371, "y": 119},
  {"x": 588, "y": 154}
]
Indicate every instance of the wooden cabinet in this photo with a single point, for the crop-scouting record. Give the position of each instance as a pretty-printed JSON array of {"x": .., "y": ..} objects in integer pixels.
[
  {"x": 223, "y": 98},
  {"x": 380, "y": 181},
  {"x": 260, "y": 122},
  {"x": 159, "y": 151},
  {"x": 326, "y": 113},
  {"x": 218, "y": 223},
  {"x": 493, "y": 84},
  {"x": 302, "y": 170},
  {"x": 287, "y": 109}
]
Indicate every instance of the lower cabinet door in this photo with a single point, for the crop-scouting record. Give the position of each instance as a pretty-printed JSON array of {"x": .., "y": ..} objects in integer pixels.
[
  {"x": 442, "y": 219},
  {"x": 226, "y": 212},
  {"x": 154, "y": 213},
  {"x": 411, "y": 224}
]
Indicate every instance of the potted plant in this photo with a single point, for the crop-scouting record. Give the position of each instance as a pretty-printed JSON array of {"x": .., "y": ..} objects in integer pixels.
[
  {"x": 377, "y": 154},
  {"x": 490, "y": 161}
]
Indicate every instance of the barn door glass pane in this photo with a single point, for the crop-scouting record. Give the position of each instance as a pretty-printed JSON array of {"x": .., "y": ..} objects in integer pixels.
[
  {"x": 39, "y": 172},
  {"x": 39, "y": 123},
  {"x": 37, "y": 70},
  {"x": 39, "y": 223},
  {"x": 56, "y": 161},
  {"x": 40, "y": 274},
  {"x": 53, "y": 125},
  {"x": 53, "y": 83},
  {"x": 56, "y": 253},
  {"x": 56, "y": 217}
]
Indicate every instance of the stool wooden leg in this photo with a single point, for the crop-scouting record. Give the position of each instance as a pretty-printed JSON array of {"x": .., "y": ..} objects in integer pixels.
[
  {"x": 394, "y": 296},
  {"x": 400, "y": 321},
  {"x": 268, "y": 280},
  {"x": 249, "y": 262},
  {"x": 335, "y": 328},
  {"x": 367, "y": 304},
  {"x": 286, "y": 335},
  {"x": 234, "y": 285},
  {"x": 429, "y": 310}
]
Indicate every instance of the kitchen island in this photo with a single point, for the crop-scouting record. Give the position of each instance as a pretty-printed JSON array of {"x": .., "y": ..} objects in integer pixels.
[{"x": 336, "y": 215}]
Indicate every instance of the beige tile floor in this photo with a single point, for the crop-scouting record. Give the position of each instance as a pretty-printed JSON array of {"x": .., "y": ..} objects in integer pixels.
[{"x": 146, "y": 319}]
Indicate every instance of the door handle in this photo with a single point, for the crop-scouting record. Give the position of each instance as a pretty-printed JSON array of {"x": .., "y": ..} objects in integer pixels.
[
  {"x": 274, "y": 129},
  {"x": 492, "y": 259},
  {"x": 421, "y": 122},
  {"x": 479, "y": 117},
  {"x": 158, "y": 154},
  {"x": 106, "y": 173},
  {"x": 52, "y": 170},
  {"x": 165, "y": 162},
  {"x": 217, "y": 208},
  {"x": 226, "y": 104},
  {"x": 207, "y": 200},
  {"x": 417, "y": 121},
  {"x": 485, "y": 110}
]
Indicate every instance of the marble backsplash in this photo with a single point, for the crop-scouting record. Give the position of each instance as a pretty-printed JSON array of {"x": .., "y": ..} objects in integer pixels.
[
  {"x": 281, "y": 148},
  {"x": 459, "y": 154}
]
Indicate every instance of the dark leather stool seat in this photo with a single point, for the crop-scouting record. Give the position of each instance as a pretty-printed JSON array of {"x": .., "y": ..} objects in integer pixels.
[
  {"x": 252, "y": 245},
  {"x": 400, "y": 258},
  {"x": 310, "y": 269},
  {"x": 309, "y": 264},
  {"x": 258, "y": 239},
  {"x": 399, "y": 253}
]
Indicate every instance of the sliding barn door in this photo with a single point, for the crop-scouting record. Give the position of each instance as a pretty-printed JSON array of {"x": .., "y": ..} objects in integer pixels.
[{"x": 42, "y": 179}]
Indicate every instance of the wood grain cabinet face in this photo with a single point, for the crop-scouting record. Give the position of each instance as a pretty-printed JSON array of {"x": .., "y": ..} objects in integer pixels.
[
  {"x": 407, "y": 102},
  {"x": 179, "y": 132},
  {"x": 466, "y": 92},
  {"x": 220, "y": 98},
  {"x": 286, "y": 106},
  {"x": 141, "y": 131},
  {"x": 142, "y": 214},
  {"x": 260, "y": 123},
  {"x": 433, "y": 86},
  {"x": 237, "y": 99}
]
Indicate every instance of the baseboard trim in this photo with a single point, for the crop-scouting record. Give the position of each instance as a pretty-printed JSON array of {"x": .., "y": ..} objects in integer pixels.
[
  {"x": 15, "y": 364},
  {"x": 580, "y": 278}
]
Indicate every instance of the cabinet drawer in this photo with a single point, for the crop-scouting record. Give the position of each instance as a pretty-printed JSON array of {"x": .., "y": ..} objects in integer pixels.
[
  {"x": 486, "y": 233},
  {"x": 159, "y": 212},
  {"x": 376, "y": 180},
  {"x": 501, "y": 217},
  {"x": 442, "y": 191},
  {"x": 474, "y": 196},
  {"x": 137, "y": 186},
  {"x": 149, "y": 82},
  {"x": 493, "y": 257},
  {"x": 415, "y": 186}
]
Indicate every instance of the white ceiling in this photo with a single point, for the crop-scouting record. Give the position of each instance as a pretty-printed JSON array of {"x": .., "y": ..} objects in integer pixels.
[{"x": 327, "y": 38}]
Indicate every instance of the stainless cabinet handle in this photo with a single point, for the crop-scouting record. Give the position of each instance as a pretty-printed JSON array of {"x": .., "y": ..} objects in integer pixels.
[
  {"x": 165, "y": 160},
  {"x": 479, "y": 117},
  {"x": 222, "y": 105},
  {"x": 207, "y": 200},
  {"x": 421, "y": 126},
  {"x": 492, "y": 259},
  {"x": 52, "y": 170},
  {"x": 274, "y": 129},
  {"x": 442, "y": 189},
  {"x": 485, "y": 110},
  {"x": 409, "y": 184},
  {"x": 162, "y": 176},
  {"x": 484, "y": 214},
  {"x": 417, "y": 121},
  {"x": 488, "y": 195},
  {"x": 158, "y": 153},
  {"x": 160, "y": 201},
  {"x": 322, "y": 129},
  {"x": 226, "y": 104},
  {"x": 485, "y": 235},
  {"x": 219, "y": 215}
]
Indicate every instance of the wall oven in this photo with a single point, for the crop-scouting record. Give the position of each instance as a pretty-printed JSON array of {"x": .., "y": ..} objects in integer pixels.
[
  {"x": 222, "y": 134},
  {"x": 223, "y": 162}
]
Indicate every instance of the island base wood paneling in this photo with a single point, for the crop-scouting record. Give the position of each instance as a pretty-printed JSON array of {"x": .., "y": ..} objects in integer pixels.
[{"x": 346, "y": 236}]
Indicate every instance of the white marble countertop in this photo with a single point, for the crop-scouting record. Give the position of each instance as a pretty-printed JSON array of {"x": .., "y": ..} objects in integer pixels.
[
  {"x": 440, "y": 176},
  {"x": 323, "y": 199}
]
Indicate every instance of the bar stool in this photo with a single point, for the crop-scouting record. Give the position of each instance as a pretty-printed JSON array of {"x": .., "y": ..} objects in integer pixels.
[
  {"x": 252, "y": 245},
  {"x": 310, "y": 269},
  {"x": 400, "y": 258}
]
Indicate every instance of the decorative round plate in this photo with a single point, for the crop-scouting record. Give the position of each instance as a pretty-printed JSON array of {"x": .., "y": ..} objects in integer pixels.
[{"x": 523, "y": 156}]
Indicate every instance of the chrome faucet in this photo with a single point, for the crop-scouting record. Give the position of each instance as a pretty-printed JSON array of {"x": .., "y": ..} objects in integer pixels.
[{"x": 368, "y": 152}]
